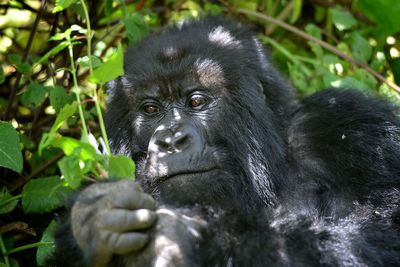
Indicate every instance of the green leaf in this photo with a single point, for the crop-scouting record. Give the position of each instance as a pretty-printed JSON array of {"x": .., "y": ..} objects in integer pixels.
[
  {"x": 7, "y": 201},
  {"x": 314, "y": 30},
  {"x": 109, "y": 70},
  {"x": 108, "y": 7},
  {"x": 10, "y": 153},
  {"x": 120, "y": 167},
  {"x": 47, "y": 248},
  {"x": 395, "y": 66},
  {"x": 63, "y": 4},
  {"x": 298, "y": 4},
  {"x": 34, "y": 95},
  {"x": 342, "y": 20},
  {"x": 13, "y": 263},
  {"x": 384, "y": 13},
  {"x": 84, "y": 61},
  {"x": 21, "y": 66},
  {"x": 71, "y": 146},
  {"x": 2, "y": 76},
  {"x": 71, "y": 171},
  {"x": 346, "y": 82},
  {"x": 212, "y": 8},
  {"x": 59, "y": 97},
  {"x": 366, "y": 77},
  {"x": 14, "y": 59},
  {"x": 54, "y": 51},
  {"x": 44, "y": 194},
  {"x": 26, "y": 142},
  {"x": 361, "y": 49},
  {"x": 136, "y": 28},
  {"x": 67, "y": 111},
  {"x": 24, "y": 67}
]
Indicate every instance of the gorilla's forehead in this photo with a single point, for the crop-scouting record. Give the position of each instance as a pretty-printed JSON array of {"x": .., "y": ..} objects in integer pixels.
[
  {"x": 176, "y": 79},
  {"x": 171, "y": 61}
]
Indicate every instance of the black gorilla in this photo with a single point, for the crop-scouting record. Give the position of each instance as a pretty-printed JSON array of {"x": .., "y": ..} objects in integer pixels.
[{"x": 234, "y": 171}]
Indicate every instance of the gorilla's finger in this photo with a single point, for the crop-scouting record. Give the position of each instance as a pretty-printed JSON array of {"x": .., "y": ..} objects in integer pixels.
[
  {"x": 126, "y": 242},
  {"x": 133, "y": 199},
  {"x": 121, "y": 220}
]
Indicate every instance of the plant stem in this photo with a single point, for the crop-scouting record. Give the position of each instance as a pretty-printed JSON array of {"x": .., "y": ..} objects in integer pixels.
[
  {"x": 77, "y": 91},
  {"x": 11, "y": 199},
  {"x": 95, "y": 96},
  {"x": 29, "y": 246},
  {"x": 4, "y": 252}
]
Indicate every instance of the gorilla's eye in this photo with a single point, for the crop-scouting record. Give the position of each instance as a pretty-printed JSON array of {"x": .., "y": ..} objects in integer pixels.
[
  {"x": 151, "y": 109},
  {"x": 197, "y": 101}
]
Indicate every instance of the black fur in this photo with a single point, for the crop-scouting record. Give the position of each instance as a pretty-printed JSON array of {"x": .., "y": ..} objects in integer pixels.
[{"x": 296, "y": 184}]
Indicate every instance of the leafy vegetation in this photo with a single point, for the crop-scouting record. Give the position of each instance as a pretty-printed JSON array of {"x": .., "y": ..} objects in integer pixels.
[{"x": 56, "y": 57}]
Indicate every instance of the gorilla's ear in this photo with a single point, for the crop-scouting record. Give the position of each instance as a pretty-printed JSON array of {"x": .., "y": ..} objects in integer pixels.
[
  {"x": 116, "y": 118},
  {"x": 113, "y": 86}
]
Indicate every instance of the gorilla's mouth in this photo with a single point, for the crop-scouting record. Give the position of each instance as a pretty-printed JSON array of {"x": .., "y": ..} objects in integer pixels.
[{"x": 185, "y": 174}]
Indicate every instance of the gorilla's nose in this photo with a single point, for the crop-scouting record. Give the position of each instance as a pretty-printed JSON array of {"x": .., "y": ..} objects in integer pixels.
[
  {"x": 182, "y": 139},
  {"x": 171, "y": 143}
]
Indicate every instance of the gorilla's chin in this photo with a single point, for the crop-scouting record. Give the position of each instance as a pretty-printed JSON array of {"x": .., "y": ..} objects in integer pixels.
[{"x": 189, "y": 189}]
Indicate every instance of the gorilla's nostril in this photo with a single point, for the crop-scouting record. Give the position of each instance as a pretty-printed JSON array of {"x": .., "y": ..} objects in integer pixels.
[
  {"x": 181, "y": 142},
  {"x": 163, "y": 146}
]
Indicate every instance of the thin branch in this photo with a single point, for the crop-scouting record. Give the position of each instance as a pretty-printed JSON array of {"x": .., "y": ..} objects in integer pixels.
[
  {"x": 322, "y": 44},
  {"x": 25, "y": 179}
]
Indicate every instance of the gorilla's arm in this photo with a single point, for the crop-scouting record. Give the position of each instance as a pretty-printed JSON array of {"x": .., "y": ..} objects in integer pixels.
[{"x": 117, "y": 224}]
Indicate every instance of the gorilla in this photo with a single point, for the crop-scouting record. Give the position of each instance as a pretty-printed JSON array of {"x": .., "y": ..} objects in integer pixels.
[{"x": 232, "y": 169}]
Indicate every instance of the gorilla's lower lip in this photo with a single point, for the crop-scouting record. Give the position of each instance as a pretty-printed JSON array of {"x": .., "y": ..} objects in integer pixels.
[{"x": 184, "y": 173}]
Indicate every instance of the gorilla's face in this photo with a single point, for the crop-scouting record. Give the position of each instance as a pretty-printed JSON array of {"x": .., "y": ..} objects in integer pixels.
[
  {"x": 177, "y": 118},
  {"x": 192, "y": 113}
]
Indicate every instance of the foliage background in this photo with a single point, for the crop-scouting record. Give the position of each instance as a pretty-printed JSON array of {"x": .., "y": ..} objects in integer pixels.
[{"x": 56, "y": 56}]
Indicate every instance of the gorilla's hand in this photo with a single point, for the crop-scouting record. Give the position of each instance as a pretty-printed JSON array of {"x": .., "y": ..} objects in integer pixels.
[
  {"x": 111, "y": 218},
  {"x": 175, "y": 241}
]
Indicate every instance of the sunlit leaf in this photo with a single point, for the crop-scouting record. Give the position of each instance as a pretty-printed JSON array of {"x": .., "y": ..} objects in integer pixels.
[
  {"x": 72, "y": 146},
  {"x": 110, "y": 69},
  {"x": 346, "y": 82},
  {"x": 297, "y": 8},
  {"x": 10, "y": 153},
  {"x": 84, "y": 61},
  {"x": 71, "y": 171},
  {"x": 54, "y": 51},
  {"x": 63, "y": 4},
  {"x": 342, "y": 20},
  {"x": 67, "y": 111},
  {"x": 120, "y": 167}
]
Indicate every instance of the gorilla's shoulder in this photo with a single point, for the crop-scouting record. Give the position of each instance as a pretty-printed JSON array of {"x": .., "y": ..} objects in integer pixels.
[{"x": 354, "y": 137}]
